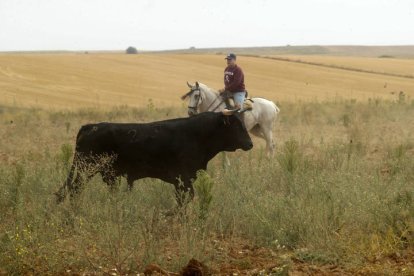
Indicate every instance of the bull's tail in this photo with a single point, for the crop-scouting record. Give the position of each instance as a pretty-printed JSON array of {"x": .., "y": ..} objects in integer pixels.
[{"x": 61, "y": 193}]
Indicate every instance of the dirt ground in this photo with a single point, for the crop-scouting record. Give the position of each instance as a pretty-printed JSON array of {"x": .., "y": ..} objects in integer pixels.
[{"x": 248, "y": 260}]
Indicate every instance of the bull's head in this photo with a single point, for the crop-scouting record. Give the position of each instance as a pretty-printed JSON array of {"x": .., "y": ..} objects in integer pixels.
[{"x": 235, "y": 135}]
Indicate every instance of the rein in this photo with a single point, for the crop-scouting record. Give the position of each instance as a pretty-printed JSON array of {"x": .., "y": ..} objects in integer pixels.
[
  {"x": 217, "y": 96},
  {"x": 195, "y": 107}
]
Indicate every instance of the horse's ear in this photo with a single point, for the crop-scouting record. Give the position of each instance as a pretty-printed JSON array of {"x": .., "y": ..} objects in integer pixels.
[
  {"x": 189, "y": 85},
  {"x": 197, "y": 85}
]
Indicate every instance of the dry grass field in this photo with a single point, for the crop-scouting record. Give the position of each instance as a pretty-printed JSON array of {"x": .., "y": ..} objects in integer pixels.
[
  {"x": 70, "y": 81},
  {"x": 406, "y": 51},
  {"x": 336, "y": 199},
  {"x": 403, "y": 67}
]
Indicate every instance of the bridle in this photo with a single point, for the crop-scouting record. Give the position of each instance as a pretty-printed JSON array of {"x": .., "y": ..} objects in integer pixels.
[{"x": 195, "y": 107}]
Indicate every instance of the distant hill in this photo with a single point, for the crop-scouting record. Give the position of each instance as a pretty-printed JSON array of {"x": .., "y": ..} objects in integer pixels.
[
  {"x": 406, "y": 51},
  {"x": 363, "y": 51}
]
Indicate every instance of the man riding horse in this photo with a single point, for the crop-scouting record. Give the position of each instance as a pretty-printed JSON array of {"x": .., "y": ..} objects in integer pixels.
[
  {"x": 233, "y": 83},
  {"x": 262, "y": 113}
]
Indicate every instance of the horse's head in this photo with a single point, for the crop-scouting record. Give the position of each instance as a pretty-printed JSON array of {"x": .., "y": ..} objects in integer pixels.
[{"x": 195, "y": 97}]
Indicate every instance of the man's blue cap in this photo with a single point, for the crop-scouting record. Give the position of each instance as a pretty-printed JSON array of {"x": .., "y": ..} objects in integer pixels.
[{"x": 230, "y": 56}]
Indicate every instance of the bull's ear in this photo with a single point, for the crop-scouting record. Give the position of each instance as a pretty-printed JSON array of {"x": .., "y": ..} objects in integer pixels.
[
  {"x": 229, "y": 116},
  {"x": 225, "y": 119}
]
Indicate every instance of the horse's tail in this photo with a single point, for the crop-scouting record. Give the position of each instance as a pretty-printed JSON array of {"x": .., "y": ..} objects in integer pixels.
[{"x": 277, "y": 109}]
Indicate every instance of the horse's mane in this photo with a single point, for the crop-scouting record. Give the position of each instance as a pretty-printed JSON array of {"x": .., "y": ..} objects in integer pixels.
[{"x": 203, "y": 88}]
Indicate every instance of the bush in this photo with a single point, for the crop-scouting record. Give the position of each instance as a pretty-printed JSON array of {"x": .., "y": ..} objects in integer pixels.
[{"x": 131, "y": 50}]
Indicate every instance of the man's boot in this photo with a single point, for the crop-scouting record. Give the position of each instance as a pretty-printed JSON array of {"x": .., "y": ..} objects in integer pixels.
[
  {"x": 226, "y": 98},
  {"x": 227, "y": 102}
]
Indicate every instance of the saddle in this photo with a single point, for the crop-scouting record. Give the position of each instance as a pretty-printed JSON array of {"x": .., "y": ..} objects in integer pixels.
[{"x": 228, "y": 100}]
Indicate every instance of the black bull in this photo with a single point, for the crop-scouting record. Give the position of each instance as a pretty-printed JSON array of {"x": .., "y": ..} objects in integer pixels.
[{"x": 172, "y": 150}]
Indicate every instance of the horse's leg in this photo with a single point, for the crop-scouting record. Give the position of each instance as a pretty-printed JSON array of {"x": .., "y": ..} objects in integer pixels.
[
  {"x": 253, "y": 125},
  {"x": 257, "y": 131},
  {"x": 268, "y": 136}
]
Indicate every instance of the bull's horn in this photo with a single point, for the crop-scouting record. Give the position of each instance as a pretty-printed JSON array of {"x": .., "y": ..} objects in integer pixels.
[
  {"x": 228, "y": 112},
  {"x": 189, "y": 85}
]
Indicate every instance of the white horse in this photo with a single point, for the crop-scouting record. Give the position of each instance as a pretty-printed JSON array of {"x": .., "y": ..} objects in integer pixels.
[{"x": 259, "y": 121}]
